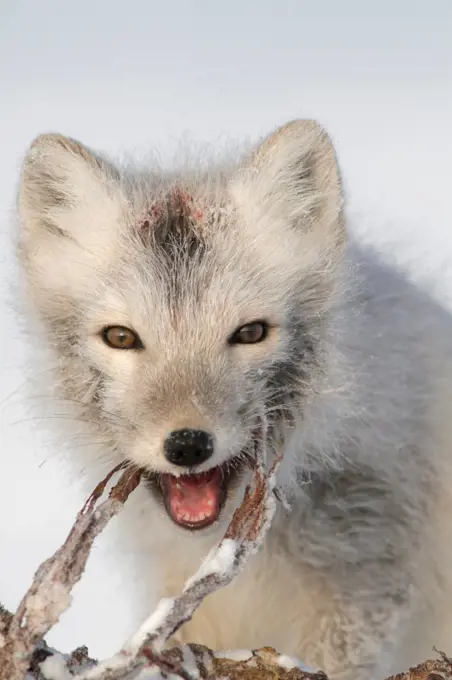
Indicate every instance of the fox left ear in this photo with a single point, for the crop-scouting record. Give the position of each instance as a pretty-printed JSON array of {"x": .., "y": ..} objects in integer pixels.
[
  {"x": 61, "y": 182},
  {"x": 293, "y": 176},
  {"x": 71, "y": 209}
]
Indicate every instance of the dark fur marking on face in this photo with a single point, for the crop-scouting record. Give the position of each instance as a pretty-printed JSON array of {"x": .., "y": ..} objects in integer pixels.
[
  {"x": 66, "y": 330},
  {"x": 98, "y": 385},
  {"x": 290, "y": 377},
  {"x": 171, "y": 229},
  {"x": 171, "y": 226}
]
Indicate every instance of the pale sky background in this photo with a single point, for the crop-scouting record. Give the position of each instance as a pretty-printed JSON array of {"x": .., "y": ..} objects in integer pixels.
[{"x": 128, "y": 75}]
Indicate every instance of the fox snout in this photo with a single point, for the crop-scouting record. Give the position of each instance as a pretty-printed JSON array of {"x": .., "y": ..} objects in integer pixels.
[{"x": 188, "y": 447}]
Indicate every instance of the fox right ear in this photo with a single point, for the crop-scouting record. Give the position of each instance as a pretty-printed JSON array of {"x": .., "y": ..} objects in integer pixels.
[
  {"x": 70, "y": 205},
  {"x": 293, "y": 176}
]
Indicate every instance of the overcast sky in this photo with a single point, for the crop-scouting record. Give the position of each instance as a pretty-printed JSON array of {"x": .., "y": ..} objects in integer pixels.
[{"x": 129, "y": 75}]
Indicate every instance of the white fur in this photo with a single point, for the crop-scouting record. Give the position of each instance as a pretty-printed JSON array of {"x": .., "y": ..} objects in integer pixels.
[{"x": 356, "y": 578}]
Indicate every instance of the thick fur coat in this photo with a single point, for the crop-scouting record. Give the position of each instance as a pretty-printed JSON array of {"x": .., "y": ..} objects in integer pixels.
[{"x": 353, "y": 378}]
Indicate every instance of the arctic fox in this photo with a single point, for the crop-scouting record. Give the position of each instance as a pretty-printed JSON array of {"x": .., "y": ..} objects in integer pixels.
[{"x": 187, "y": 308}]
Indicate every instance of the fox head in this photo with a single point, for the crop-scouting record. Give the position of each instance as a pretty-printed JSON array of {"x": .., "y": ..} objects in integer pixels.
[{"x": 187, "y": 309}]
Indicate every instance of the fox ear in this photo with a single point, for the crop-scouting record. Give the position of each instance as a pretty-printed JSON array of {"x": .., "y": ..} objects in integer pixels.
[
  {"x": 62, "y": 179},
  {"x": 293, "y": 176},
  {"x": 70, "y": 204}
]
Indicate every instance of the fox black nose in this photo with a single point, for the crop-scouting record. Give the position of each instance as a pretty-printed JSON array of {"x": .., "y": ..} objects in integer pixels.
[{"x": 188, "y": 447}]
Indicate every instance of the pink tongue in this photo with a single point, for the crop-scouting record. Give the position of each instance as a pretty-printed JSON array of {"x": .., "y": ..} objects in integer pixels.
[{"x": 194, "y": 499}]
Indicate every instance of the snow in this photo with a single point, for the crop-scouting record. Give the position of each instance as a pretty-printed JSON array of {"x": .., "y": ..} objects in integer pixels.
[
  {"x": 219, "y": 561},
  {"x": 285, "y": 661},
  {"x": 54, "y": 668},
  {"x": 153, "y": 674},
  {"x": 189, "y": 662},
  {"x": 48, "y": 604},
  {"x": 235, "y": 654},
  {"x": 151, "y": 624},
  {"x": 289, "y": 662},
  {"x": 380, "y": 81}
]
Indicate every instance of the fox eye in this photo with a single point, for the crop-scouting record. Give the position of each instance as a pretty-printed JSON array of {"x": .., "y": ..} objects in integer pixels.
[
  {"x": 120, "y": 337},
  {"x": 249, "y": 334}
]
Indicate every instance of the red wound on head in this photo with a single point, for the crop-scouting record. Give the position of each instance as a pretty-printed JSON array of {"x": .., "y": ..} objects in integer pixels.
[
  {"x": 185, "y": 203},
  {"x": 173, "y": 214}
]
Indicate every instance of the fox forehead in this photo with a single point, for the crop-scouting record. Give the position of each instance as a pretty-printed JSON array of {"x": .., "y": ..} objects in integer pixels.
[{"x": 186, "y": 247}]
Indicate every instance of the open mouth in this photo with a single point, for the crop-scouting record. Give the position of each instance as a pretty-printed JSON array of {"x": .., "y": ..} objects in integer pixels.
[{"x": 195, "y": 501}]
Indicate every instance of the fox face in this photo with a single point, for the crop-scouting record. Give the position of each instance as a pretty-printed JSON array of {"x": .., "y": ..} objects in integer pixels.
[{"x": 187, "y": 309}]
